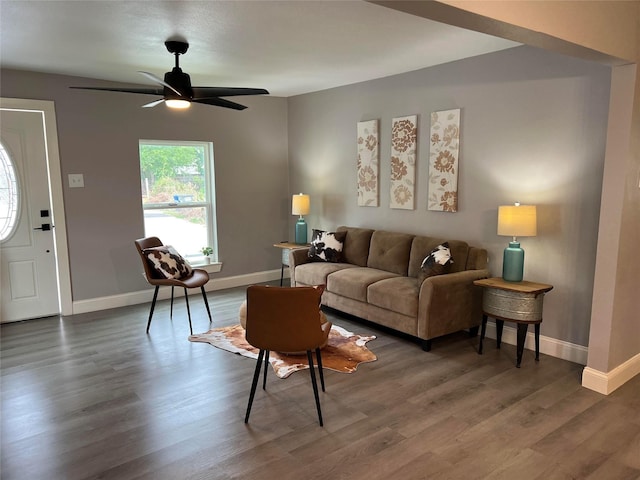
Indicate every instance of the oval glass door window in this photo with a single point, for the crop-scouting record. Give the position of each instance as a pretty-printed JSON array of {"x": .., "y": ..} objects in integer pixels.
[{"x": 9, "y": 195}]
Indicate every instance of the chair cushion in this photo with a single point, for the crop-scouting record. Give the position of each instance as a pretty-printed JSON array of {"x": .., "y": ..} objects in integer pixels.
[
  {"x": 168, "y": 262},
  {"x": 326, "y": 246}
]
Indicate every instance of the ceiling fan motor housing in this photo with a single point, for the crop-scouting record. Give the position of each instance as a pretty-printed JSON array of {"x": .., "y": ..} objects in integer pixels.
[{"x": 180, "y": 81}]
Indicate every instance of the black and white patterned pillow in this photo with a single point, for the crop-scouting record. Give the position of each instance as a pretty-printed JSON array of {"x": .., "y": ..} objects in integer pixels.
[
  {"x": 326, "y": 246},
  {"x": 168, "y": 262},
  {"x": 436, "y": 263}
]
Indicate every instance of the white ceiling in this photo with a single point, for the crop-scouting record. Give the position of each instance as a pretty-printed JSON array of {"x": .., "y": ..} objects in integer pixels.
[{"x": 287, "y": 47}]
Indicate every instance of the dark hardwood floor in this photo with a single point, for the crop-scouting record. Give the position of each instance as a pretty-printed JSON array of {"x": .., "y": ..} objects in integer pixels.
[{"x": 92, "y": 396}]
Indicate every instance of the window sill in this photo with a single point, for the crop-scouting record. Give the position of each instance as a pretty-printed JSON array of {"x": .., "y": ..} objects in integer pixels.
[{"x": 213, "y": 267}]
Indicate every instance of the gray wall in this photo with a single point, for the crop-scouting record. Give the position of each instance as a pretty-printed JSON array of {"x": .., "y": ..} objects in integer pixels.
[
  {"x": 533, "y": 127},
  {"x": 98, "y": 137}
]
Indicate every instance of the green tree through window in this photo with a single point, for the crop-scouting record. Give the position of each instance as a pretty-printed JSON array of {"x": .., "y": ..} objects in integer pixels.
[{"x": 177, "y": 194}]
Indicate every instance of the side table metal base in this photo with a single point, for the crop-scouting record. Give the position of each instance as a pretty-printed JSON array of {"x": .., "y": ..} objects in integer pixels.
[{"x": 521, "y": 337}]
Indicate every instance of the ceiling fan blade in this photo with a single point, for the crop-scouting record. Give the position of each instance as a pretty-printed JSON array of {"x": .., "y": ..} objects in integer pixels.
[
  {"x": 151, "y": 76},
  {"x": 148, "y": 91},
  {"x": 204, "y": 92},
  {"x": 220, "y": 102},
  {"x": 153, "y": 104}
]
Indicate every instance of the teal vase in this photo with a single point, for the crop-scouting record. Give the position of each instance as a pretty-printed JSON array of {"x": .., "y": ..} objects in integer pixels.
[{"x": 513, "y": 263}]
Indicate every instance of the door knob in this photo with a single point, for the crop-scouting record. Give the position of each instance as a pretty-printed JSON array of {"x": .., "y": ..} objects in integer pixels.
[{"x": 45, "y": 227}]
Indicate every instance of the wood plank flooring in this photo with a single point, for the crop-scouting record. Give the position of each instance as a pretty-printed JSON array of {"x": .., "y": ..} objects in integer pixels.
[{"x": 93, "y": 396}]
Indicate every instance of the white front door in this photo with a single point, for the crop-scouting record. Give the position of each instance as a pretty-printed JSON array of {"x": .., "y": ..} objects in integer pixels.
[{"x": 28, "y": 281}]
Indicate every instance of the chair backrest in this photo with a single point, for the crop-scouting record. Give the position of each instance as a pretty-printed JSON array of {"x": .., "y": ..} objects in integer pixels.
[
  {"x": 284, "y": 319},
  {"x": 141, "y": 244}
]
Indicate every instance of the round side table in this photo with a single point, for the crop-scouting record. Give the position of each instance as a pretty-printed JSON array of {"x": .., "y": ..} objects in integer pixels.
[{"x": 519, "y": 302}]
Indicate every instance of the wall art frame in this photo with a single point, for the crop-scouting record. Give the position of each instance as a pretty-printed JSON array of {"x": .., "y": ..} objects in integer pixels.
[
  {"x": 368, "y": 163},
  {"x": 404, "y": 143},
  {"x": 443, "y": 160}
]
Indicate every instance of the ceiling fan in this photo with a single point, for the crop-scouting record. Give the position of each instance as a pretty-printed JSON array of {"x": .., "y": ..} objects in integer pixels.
[{"x": 176, "y": 88}]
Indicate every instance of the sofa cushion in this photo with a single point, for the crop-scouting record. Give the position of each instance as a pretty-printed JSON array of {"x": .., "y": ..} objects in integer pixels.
[
  {"x": 326, "y": 246},
  {"x": 356, "y": 245},
  {"x": 422, "y": 246},
  {"x": 316, "y": 273},
  {"x": 390, "y": 251},
  {"x": 477, "y": 259},
  {"x": 398, "y": 294},
  {"x": 353, "y": 282}
]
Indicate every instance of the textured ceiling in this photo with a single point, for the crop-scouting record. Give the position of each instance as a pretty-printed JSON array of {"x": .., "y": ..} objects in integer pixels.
[{"x": 287, "y": 47}]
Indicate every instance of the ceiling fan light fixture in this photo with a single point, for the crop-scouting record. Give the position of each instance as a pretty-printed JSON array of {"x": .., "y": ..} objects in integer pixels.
[{"x": 177, "y": 103}]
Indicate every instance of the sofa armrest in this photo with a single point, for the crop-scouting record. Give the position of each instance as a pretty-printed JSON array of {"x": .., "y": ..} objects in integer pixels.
[
  {"x": 297, "y": 256},
  {"x": 450, "y": 303}
]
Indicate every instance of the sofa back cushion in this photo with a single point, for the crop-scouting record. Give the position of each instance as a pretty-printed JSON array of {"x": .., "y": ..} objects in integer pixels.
[
  {"x": 422, "y": 246},
  {"x": 477, "y": 259},
  {"x": 356, "y": 245},
  {"x": 390, "y": 251}
]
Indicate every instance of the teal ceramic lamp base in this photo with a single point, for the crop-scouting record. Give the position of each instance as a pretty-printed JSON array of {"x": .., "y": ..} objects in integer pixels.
[
  {"x": 301, "y": 231},
  {"x": 513, "y": 263}
]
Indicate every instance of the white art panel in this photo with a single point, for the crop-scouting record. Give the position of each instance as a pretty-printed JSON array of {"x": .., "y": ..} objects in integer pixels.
[
  {"x": 368, "y": 163},
  {"x": 443, "y": 161},
  {"x": 404, "y": 140}
]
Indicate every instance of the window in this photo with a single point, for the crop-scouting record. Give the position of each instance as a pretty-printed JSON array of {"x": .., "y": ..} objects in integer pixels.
[
  {"x": 177, "y": 195},
  {"x": 9, "y": 195}
]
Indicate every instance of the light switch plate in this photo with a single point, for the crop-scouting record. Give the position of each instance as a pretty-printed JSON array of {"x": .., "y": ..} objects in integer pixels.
[{"x": 76, "y": 180}]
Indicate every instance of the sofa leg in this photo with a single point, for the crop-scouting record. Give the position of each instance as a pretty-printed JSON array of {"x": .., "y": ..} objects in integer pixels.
[
  {"x": 426, "y": 345},
  {"x": 473, "y": 331}
]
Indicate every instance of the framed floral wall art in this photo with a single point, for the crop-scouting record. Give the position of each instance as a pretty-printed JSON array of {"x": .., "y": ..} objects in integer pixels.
[
  {"x": 368, "y": 163},
  {"x": 404, "y": 140},
  {"x": 443, "y": 161}
]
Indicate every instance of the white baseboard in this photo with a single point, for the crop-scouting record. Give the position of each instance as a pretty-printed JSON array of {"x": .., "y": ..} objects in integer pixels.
[
  {"x": 607, "y": 382},
  {"x": 548, "y": 346},
  {"x": 145, "y": 296}
]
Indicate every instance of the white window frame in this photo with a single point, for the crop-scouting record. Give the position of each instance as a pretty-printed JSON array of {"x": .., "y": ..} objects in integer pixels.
[{"x": 208, "y": 204}]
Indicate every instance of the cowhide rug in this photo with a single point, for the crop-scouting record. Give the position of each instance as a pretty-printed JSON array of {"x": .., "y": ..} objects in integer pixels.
[{"x": 343, "y": 353}]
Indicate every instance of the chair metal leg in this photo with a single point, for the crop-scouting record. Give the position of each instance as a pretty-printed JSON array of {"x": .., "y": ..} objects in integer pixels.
[
  {"x": 206, "y": 303},
  {"x": 256, "y": 375},
  {"x": 153, "y": 305},
  {"x": 315, "y": 385},
  {"x": 186, "y": 299},
  {"x": 319, "y": 357},
  {"x": 266, "y": 365},
  {"x": 171, "y": 311}
]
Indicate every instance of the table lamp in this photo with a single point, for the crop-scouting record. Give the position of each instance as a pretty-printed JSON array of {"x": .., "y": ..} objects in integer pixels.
[
  {"x": 515, "y": 221},
  {"x": 300, "y": 206}
]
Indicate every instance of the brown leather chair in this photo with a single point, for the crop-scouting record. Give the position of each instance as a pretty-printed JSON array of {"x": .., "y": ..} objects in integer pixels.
[
  {"x": 198, "y": 278},
  {"x": 285, "y": 319}
]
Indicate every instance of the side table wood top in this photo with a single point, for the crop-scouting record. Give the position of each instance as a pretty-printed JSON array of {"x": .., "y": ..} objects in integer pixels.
[
  {"x": 521, "y": 287},
  {"x": 291, "y": 245}
]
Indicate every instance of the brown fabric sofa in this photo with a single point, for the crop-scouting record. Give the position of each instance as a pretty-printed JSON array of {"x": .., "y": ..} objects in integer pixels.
[{"x": 377, "y": 280}]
